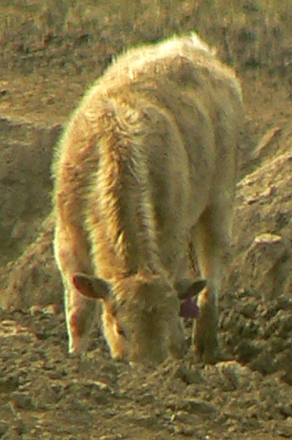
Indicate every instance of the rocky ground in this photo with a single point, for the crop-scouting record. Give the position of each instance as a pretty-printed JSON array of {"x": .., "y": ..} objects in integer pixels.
[{"x": 45, "y": 394}]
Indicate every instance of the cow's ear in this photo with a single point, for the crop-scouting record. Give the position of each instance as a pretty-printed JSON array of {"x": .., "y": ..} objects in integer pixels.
[
  {"x": 187, "y": 288},
  {"x": 91, "y": 287}
]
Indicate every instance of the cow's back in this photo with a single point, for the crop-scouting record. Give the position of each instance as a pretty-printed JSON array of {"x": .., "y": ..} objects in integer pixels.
[{"x": 166, "y": 116}]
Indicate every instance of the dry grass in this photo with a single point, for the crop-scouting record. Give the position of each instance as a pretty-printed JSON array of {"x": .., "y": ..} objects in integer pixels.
[{"x": 249, "y": 33}]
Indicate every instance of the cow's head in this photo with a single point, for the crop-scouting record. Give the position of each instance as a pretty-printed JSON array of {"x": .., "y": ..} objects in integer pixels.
[{"x": 141, "y": 314}]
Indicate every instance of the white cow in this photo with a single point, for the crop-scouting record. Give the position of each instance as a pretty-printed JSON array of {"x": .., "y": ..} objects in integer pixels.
[{"x": 146, "y": 168}]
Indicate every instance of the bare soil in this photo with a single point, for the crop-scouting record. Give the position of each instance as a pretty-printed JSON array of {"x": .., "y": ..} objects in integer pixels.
[{"x": 44, "y": 393}]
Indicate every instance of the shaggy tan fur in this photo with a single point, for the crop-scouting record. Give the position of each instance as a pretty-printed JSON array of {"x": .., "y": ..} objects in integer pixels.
[{"x": 147, "y": 166}]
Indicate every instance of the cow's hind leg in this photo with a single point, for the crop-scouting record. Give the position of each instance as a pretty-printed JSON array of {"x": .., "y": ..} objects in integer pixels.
[
  {"x": 211, "y": 241},
  {"x": 72, "y": 255}
]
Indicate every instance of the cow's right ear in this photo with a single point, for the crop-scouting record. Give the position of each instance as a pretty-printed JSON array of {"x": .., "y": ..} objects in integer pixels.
[
  {"x": 91, "y": 287},
  {"x": 188, "y": 288}
]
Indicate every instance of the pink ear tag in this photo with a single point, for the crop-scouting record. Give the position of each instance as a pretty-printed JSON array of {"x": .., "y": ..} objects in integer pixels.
[{"x": 189, "y": 308}]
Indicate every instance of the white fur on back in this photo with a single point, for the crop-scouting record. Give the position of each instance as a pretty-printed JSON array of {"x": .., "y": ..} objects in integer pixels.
[{"x": 136, "y": 58}]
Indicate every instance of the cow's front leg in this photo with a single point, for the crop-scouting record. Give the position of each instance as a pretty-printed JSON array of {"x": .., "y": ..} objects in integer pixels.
[
  {"x": 211, "y": 240},
  {"x": 205, "y": 336},
  {"x": 81, "y": 313}
]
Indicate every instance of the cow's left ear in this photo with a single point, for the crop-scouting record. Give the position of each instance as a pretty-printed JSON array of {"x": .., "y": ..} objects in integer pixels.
[
  {"x": 187, "y": 288},
  {"x": 90, "y": 286}
]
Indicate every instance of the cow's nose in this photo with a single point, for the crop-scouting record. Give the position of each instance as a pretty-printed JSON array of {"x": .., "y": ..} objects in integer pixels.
[
  {"x": 155, "y": 358},
  {"x": 121, "y": 359}
]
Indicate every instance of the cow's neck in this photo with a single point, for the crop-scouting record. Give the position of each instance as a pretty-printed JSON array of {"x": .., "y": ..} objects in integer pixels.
[{"x": 126, "y": 241}]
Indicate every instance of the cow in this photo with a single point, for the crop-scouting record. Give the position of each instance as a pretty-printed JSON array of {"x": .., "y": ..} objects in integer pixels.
[{"x": 145, "y": 171}]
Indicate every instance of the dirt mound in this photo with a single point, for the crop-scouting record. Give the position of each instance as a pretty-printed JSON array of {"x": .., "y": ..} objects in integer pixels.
[
  {"x": 263, "y": 230},
  {"x": 25, "y": 157},
  {"x": 33, "y": 279},
  {"x": 44, "y": 394}
]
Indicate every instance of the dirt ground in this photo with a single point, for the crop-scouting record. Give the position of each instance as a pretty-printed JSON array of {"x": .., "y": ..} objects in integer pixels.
[{"x": 44, "y": 393}]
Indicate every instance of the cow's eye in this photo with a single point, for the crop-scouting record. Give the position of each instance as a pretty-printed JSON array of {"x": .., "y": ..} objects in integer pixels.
[{"x": 120, "y": 331}]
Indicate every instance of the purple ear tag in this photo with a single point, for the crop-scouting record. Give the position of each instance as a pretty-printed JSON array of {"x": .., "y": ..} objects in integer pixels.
[{"x": 189, "y": 308}]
